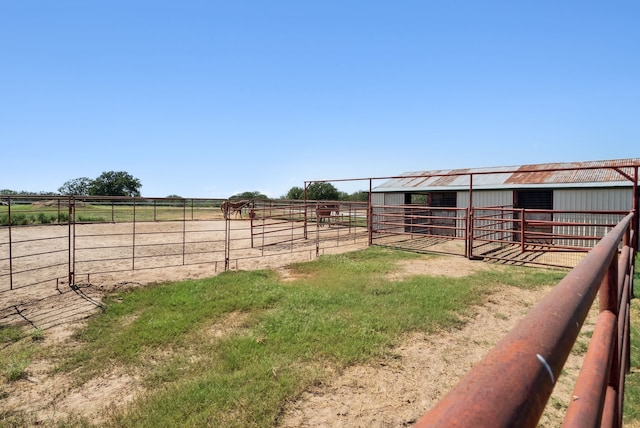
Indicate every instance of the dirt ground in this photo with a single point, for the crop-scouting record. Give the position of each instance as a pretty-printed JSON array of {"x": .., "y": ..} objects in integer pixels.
[{"x": 392, "y": 392}]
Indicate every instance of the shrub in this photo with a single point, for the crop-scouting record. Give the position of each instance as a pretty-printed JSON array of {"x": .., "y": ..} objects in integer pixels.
[
  {"x": 15, "y": 368},
  {"x": 45, "y": 218}
]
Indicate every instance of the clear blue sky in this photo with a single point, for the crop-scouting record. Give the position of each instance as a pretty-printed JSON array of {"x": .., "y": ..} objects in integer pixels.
[{"x": 211, "y": 98}]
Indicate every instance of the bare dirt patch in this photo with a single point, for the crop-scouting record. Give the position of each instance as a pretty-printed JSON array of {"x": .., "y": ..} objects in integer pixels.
[{"x": 454, "y": 267}]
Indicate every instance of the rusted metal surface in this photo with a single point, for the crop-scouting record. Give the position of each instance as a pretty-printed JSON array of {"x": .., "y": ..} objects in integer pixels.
[
  {"x": 510, "y": 386},
  {"x": 620, "y": 171},
  {"x": 588, "y": 395},
  {"x": 420, "y": 228},
  {"x": 495, "y": 233}
]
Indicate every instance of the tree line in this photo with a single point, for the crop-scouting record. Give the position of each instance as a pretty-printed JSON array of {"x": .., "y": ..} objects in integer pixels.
[{"x": 121, "y": 183}]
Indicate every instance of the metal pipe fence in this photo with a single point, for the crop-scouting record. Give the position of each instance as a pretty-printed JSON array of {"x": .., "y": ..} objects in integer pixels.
[
  {"x": 500, "y": 234},
  {"x": 67, "y": 240},
  {"x": 542, "y": 237},
  {"x": 63, "y": 239},
  {"x": 510, "y": 386},
  {"x": 420, "y": 228}
]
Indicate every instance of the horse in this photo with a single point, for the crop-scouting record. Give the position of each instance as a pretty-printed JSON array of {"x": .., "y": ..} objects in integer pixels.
[
  {"x": 325, "y": 211},
  {"x": 235, "y": 207}
]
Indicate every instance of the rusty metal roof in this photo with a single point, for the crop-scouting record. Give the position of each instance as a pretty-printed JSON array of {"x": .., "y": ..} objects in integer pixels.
[{"x": 608, "y": 173}]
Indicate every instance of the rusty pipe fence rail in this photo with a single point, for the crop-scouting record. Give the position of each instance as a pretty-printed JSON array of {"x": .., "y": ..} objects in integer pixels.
[
  {"x": 53, "y": 240},
  {"x": 511, "y": 385},
  {"x": 289, "y": 224},
  {"x": 420, "y": 228},
  {"x": 546, "y": 237}
]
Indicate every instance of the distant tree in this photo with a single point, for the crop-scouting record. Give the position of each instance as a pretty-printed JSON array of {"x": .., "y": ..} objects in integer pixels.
[
  {"x": 322, "y": 191},
  {"x": 359, "y": 196},
  {"x": 250, "y": 195},
  {"x": 77, "y": 186},
  {"x": 295, "y": 193},
  {"x": 174, "y": 197},
  {"x": 10, "y": 192},
  {"x": 115, "y": 183}
]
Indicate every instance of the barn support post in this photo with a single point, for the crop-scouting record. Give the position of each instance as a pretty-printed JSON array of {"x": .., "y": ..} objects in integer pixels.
[{"x": 636, "y": 207}]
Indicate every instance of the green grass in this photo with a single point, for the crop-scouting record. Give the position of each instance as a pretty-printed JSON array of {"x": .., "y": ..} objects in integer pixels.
[
  {"x": 342, "y": 311},
  {"x": 632, "y": 382},
  {"x": 16, "y": 352},
  {"x": 200, "y": 369}
]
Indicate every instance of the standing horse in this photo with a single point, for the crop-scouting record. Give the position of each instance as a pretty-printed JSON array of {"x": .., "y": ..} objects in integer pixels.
[
  {"x": 235, "y": 207},
  {"x": 325, "y": 211}
]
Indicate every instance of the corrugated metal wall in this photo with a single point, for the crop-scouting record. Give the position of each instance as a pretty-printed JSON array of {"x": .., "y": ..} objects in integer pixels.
[
  {"x": 486, "y": 198},
  {"x": 382, "y": 199},
  {"x": 593, "y": 199},
  {"x": 606, "y": 199}
]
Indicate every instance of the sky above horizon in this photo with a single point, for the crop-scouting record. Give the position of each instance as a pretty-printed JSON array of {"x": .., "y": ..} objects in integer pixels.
[{"x": 208, "y": 99}]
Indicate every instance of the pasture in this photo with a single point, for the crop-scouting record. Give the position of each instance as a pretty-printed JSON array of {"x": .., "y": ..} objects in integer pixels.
[{"x": 371, "y": 337}]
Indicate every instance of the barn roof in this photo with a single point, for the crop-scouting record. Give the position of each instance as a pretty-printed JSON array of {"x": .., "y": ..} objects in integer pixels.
[{"x": 607, "y": 173}]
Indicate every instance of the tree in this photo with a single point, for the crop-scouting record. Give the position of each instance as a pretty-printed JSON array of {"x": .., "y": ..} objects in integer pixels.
[
  {"x": 295, "y": 193},
  {"x": 115, "y": 183},
  {"x": 322, "y": 191},
  {"x": 250, "y": 195},
  {"x": 77, "y": 186},
  {"x": 360, "y": 196}
]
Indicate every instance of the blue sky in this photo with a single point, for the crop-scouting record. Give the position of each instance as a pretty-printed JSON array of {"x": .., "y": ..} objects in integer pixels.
[{"x": 212, "y": 98}]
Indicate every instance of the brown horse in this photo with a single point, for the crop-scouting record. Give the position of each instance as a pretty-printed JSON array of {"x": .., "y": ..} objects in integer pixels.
[
  {"x": 235, "y": 207},
  {"x": 325, "y": 211}
]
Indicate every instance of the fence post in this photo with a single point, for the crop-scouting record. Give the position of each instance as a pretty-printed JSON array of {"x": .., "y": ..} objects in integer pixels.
[
  {"x": 227, "y": 242},
  {"x": 71, "y": 221},
  {"x": 522, "y": 229},
  {"x": 608, "y": 301},
  {"x": 10, "y": 244}
]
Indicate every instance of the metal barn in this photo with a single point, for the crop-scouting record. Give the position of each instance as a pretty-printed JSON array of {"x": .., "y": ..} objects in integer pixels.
[{"x": 568, "y": 205}]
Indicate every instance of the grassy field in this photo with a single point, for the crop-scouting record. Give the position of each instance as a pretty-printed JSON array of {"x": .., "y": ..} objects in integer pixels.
[
  {"x": 163, "y": 210},
  {"x": 44, "y": 212},
  {"x": 233, "y": 349}
]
